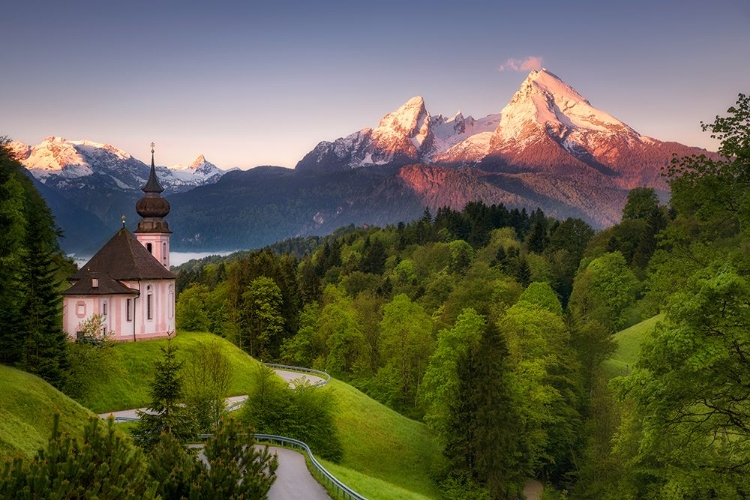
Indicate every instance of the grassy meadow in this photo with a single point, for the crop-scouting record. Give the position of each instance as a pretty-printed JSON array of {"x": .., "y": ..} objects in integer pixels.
[
  {"x": 629, "y": 347},
  {"x": 27, "y": 407}
]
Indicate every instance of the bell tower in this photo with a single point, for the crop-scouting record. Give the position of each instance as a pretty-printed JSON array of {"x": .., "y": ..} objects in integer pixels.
[{"x": 153, "y": 231}]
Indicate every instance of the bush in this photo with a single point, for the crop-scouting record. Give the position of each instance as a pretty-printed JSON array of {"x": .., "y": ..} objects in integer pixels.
[{"x": 304, "y": 413}]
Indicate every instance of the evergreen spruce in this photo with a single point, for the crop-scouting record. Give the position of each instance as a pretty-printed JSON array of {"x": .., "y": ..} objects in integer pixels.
[
  {"x": 484, "y": 442},
  {"x": 165, "y": 414},
  {"x": 45, "y": 343},
  {"x": 103, "y": 466},
  {"x": 237, "y": 468},
  {"x": 31, "y": 335}
]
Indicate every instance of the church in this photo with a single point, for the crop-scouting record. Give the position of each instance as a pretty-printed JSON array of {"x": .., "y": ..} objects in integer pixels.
[{"x": 128, "y": 281}]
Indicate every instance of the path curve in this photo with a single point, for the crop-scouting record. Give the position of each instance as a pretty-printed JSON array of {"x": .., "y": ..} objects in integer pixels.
[{"x": 292, "y": 377}]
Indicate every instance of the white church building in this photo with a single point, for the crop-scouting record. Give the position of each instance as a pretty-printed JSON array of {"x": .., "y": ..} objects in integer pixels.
[{"x": 128, "y": 281}]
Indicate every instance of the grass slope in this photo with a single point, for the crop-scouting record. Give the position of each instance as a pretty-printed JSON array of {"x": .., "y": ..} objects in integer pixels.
[
  {"x": 629, "y": 347},
  {"x": 129, "y": 384},
  {"x": 381, "y": 447},
  {"x": 27, "y": 407},
  {"x": 380, "y": 444}
]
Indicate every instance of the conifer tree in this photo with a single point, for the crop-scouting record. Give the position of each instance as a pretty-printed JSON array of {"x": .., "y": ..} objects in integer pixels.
[
  {"x": 237, "y": 468},
  {"x": 45, "y": 343},
  {"x": 31, "y": 336},
  {"x": 103, "y": 466},
  {"x": 484, "y": 441},
  {"x": 165, "y": 414}
]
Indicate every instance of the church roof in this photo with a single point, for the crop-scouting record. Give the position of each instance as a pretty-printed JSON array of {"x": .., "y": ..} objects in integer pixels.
[
  {"x": 104, "y": 286},
  {"x": 124, "y": 258}
]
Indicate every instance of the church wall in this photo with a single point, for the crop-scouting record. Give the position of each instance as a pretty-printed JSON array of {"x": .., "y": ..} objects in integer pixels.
[{"x": 140, "y": 326}]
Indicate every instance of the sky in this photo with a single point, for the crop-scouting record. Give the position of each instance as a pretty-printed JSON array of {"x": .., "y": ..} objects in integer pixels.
[{"x": 251, "y": 83}]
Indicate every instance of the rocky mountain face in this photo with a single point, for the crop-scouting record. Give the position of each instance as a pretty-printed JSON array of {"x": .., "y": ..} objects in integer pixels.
[{"x": 548, "y": 147}]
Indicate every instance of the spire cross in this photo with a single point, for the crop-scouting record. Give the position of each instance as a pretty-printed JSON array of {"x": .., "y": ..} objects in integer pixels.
[{"x": 152, "y": 147}]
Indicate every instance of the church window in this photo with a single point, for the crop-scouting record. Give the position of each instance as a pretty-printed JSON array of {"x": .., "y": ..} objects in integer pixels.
[
  {"x": 104, "y": 308},
  {"x": 80, "y": 309},
  {"x": 149, "y": 304},
  {"x": 149, "y": 248},
  {"x": 129, "y": 310},
  {"x": 164, "y": 253},
  {"x": 171, "y": 301}
]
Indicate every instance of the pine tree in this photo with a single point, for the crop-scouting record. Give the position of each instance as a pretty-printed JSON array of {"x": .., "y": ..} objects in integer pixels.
[
  {"x": 165, "y": 414},
  {"x": 31, "y": 336},
  {"x": 103, "y": 466},
  {"x": 45, "y": 343},
  {"x": 497, "y": 427},
  {"x": 237, "y": 468},
  {"x": 484, "y": 442}
]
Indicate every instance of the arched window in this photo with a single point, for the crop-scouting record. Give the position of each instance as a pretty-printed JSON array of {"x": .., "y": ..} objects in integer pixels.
[
  {"x": 149, "y": 302},
  {"x": 164, "y": 253},
  {"x": 149, "y": 248}
]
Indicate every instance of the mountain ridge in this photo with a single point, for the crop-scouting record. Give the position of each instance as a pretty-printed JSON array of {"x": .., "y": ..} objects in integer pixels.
[{"x": 548, "y": 148}]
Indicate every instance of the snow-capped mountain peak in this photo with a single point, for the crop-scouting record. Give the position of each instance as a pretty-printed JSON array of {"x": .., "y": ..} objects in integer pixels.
[
  {"x": 198, "y": 163},
  {"x": 410, "y": 120},
  {"x": 545, "y": 101},
  {"x": 66, "y": 164}
]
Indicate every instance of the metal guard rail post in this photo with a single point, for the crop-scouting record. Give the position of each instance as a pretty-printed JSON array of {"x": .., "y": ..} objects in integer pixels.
[{"x": 326, "y": 377}]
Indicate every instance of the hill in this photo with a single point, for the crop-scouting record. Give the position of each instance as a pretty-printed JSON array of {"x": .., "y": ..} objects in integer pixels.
[
  {"x": 380, "y": 446},
  {"x": 133, "y": 367},
  {"x": 629, "y": 347},
  {"x": 26, "y": 413}
]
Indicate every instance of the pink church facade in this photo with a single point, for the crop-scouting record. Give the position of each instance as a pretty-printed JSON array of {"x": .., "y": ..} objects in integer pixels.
[{"x": 128, "y": 281}]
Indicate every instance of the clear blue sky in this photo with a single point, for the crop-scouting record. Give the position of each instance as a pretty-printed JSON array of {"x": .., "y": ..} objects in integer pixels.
[{"x": 253, "y": 83}]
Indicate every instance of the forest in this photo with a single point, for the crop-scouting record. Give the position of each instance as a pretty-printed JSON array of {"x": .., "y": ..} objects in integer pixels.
[{"x": 491, "y": 325}]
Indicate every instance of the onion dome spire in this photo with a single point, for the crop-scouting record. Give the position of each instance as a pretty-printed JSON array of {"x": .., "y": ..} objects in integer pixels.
[
  {"x": 152, "y": 185},
  {"x": 152, "y": 207}
]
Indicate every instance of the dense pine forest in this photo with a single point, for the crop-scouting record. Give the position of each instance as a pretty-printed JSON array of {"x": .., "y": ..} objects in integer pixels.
[{"x": 490, "y": 325}]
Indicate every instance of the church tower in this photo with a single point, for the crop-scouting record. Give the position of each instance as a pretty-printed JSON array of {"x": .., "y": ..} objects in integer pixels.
[{"x": 153, "y": 231}]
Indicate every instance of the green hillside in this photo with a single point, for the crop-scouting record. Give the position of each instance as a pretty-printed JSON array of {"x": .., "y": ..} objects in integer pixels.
[
  {"x": 629, "y": 347},
  {"x": 379, "y": 444},
  {"x": 382, "y": 444},
  {"x": 26, "y": 410},
  {"x": 134, "y": 371}
]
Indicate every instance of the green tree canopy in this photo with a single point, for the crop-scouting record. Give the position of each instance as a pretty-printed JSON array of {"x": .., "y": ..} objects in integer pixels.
[{"x": 604, "y": 291}]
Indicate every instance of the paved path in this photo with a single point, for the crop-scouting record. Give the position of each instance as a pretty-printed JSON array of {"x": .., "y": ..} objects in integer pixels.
[
  {"x": 291, "y": 377},
  {"x": 293, "y": 479}
]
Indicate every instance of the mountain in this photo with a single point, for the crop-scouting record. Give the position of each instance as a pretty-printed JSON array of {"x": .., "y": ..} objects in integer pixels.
[
  {"x": 548, "y": 147},
  {"x": 104, "y": 182},
  {"x": 407, "y": 135}
]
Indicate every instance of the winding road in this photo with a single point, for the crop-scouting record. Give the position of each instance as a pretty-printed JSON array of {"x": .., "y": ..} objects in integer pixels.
[{"x": 293, "y": 480}]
